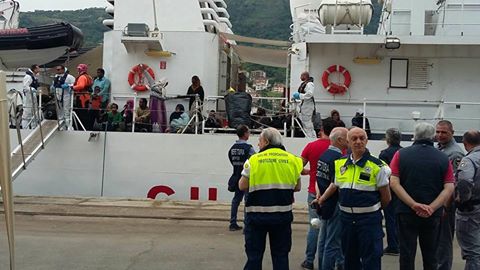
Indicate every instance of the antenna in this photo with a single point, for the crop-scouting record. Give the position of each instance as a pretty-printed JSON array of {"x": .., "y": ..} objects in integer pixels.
[{"x": 155, "y": 16}]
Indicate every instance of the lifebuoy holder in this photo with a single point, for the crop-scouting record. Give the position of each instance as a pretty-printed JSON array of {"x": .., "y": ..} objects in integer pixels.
[
  {"x": 136, "y": 77},
  {"x": 334, "y": 88}
]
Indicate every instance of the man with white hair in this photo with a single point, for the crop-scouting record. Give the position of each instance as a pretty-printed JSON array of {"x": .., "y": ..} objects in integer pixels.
[
  {"x": 422, "y": 178},
  {"x": 329, "y": 241},
  {"x": 270, "y": 176}
]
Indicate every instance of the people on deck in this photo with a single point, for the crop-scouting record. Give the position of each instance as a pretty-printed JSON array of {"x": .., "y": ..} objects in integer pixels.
[
  {"x": 82, "y": 90},
  {"x": 239, "y": 105},
  {"x": 178, "y": 119},
  {"x": 335, "y": 118},
  {"x": 114, "y": 119},
  {"x": 195, "y": 89},
  {"x": 30, "y": 97},
  {"x": 357, "y": 121},
  {"x": 104, "y": 85},
  {"x": 142, "y": 117},
  {"x": 213, "y": 121},
  {"x": 307, "y": 105},
  {"x": 62, "y": 88}
]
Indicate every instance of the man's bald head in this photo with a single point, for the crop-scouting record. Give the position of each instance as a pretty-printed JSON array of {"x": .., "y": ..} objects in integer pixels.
[
  {"x": 471, "y": 139},
  {"x": 357, "y": 140}
]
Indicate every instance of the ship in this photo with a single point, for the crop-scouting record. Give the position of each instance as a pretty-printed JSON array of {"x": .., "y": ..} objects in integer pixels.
[{"x": 420, "y": 65}]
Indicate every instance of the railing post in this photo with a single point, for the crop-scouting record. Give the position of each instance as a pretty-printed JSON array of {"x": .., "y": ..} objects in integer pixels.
[{"x": 364, "y": 113}]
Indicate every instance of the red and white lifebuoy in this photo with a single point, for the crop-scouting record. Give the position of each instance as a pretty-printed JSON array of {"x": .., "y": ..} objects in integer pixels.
[
  {"x": 136, "y": 77},
  {"x": 333, "y": 88}
]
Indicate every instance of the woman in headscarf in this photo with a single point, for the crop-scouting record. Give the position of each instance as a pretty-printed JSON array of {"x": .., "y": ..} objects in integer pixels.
[{"x": 335, "y": 118}]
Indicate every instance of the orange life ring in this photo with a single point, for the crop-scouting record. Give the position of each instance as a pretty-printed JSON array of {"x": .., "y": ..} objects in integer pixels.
[
  {"x": 334, "y": 88},
  {"x": 136, "y": 77}
]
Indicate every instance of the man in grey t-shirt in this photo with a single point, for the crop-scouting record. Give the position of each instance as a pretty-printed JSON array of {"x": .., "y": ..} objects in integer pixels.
[{"x": 447, "y": 144}]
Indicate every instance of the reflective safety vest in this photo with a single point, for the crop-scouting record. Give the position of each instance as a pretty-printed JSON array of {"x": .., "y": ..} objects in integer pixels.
[
  {"x": 274, "y": 173},
  {"x": 358, "y": 184}
]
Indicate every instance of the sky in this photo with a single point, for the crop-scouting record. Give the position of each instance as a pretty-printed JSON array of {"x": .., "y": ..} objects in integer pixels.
[{"x": 31, "y": 5}]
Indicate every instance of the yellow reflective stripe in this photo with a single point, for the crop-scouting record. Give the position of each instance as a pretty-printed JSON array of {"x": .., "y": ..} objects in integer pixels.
[
  {"x": 270, "y": 186},
  {"x": 268, "y": 209}
]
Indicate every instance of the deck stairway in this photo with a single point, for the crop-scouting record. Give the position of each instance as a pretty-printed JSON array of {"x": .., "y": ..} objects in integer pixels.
[{"x": 32, "y": 145}]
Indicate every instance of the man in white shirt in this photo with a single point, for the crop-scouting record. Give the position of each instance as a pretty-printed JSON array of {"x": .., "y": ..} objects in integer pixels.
[
  {"x": 30, "y": 86},
  {"x": 62, "y": 86},
  {"x": 307, "y": 106}
]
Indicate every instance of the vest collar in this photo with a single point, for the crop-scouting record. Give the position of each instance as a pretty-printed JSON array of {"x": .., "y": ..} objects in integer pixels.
[
  {"x": 270, "y": 146},
  {"x": 361, "y": 162},
  {"x": 426, "y": 141}
]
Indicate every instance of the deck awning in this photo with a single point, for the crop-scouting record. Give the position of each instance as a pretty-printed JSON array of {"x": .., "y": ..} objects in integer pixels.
[
  {"x": 262, "y": 56},
  {"x": 275, "y": 55}
]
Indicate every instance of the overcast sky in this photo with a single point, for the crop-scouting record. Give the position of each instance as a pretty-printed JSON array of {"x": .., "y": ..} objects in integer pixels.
[{"x": 31, "y": 5}]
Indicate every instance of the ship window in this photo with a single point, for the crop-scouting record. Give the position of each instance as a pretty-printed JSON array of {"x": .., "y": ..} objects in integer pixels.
[{"x": 398, "y": 73}]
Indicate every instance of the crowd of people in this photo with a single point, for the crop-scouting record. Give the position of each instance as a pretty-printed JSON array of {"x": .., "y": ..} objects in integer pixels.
[{"x": 428, "y": 192}]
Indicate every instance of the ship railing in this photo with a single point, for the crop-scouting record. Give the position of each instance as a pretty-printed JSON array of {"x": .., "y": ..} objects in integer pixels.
[
  {"x": 459, "y": 19},
  {"x": 439, "y": 105},
  {"x": 258, "y": 102}
]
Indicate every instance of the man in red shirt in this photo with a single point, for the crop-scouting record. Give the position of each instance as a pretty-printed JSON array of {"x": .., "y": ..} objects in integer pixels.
[
  {"x": 311, "y": 153},
  {"x": 422, "y": 177}
]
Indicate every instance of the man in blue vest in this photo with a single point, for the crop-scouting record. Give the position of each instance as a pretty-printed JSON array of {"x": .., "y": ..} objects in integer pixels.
[
  {"x": 271, "y": 176},
  {"x": 30, "y": 86},
  {"x": 238, "y": 154},
  {"x": 329, "y": 241},
  {"x": 363, "y": 183},
  {"x": 422, "y": 178}
]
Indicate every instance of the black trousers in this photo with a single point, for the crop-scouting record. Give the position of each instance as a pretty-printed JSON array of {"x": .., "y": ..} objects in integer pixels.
[
  {"x": 427, "y": 230},
  {"x": 280, "y": 244}
]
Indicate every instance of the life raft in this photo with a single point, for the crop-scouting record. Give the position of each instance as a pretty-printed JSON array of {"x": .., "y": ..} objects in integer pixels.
[
  {"x": 136, "y": 77},
  {"x": 334, "y": 88}
]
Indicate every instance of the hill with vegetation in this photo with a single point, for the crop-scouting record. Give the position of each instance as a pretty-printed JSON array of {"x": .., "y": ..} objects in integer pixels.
[
  {"x": 88, "y": 20},
  {"x": 269, "y": 19}
]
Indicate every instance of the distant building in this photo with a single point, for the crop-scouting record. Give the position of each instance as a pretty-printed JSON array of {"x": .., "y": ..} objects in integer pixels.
[
  {"x": 260, "y": 83},
  {"x": 257, "y": 74}
]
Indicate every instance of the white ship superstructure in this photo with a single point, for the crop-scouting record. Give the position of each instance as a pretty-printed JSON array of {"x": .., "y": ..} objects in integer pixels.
[
  {"x": 433, "y": 74},
  {"x": 176, "y": 39}
]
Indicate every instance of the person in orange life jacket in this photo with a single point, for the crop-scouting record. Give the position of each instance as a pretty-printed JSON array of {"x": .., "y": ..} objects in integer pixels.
[
  {"x": 81, "y": 90},
  {"x": 238, "y": 154},
  {"x": 271, "y": 177},
  {"x": 310, "y": 154},
  {"x": 30, "y": 85},
  {"x": 363, "y": 184}
]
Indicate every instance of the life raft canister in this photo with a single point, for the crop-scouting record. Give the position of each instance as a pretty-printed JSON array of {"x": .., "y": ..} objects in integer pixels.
[
  {"x": 136, "y": 77},
  {"x": 334, "y": 88}
]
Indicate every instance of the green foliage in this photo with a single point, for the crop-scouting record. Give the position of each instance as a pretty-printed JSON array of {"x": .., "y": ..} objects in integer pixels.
[{"x": 88, "y": 20}]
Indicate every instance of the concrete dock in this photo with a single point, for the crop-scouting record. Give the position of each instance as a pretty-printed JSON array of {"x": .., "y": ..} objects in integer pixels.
[{"x": 90, "y": 233}]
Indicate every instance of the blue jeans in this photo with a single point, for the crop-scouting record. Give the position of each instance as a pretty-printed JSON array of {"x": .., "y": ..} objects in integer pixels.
[
  {"x": 330, "y": 243},
  {"x": 237, "y": 199},
  {"x": 391, "y": 226},
  {"x": 468, "y": 237},
  {"x": 312, "y": 235}
]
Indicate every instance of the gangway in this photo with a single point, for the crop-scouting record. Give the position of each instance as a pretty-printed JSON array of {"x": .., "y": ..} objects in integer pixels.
[{"x": 32, "y": 145}]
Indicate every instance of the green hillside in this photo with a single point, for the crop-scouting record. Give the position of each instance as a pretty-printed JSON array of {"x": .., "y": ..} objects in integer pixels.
[
  {"x": 268, "y": 19},
  {"x": 88, "y": 20}
]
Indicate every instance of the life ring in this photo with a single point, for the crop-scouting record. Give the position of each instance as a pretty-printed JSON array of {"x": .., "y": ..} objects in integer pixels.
[
  {"x": 334, "y": 88},
  {"x": 136, "y": 77}
]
